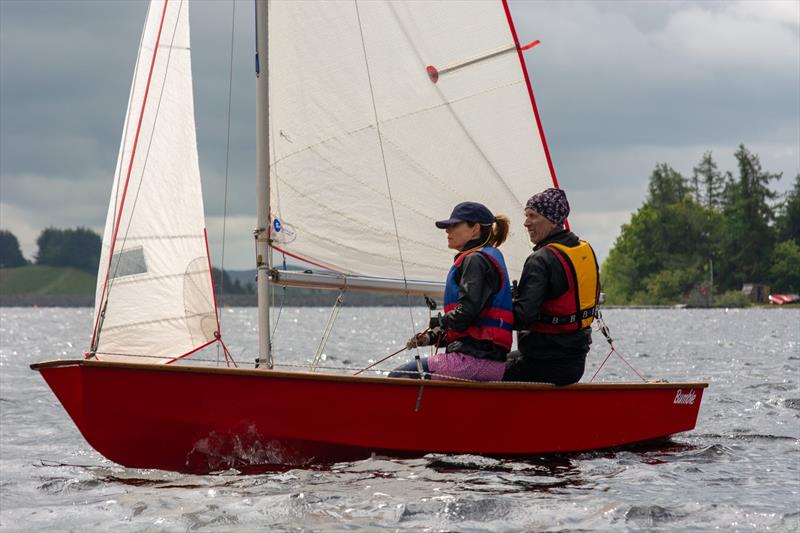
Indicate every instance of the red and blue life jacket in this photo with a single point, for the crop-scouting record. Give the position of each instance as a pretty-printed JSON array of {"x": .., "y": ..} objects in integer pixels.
[{"x": 495, "y": 321}]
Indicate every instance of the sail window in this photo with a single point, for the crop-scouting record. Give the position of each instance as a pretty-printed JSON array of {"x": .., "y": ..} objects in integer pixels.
[{"x": 128, "y": 263}]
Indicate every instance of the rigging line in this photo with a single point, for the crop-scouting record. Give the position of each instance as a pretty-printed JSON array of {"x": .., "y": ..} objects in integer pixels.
[
  {"x": 386, "y": 172},
  {"x": 115, "y": 230},
  {"x": 126, "y": 126},
  {"x": 283, "y": 301},
  {"x": 381, "y": 360},
  {"x": 227, "y": 169},
  {"x": 337, "y": 306},
  {"x": 603, "y": 328}
]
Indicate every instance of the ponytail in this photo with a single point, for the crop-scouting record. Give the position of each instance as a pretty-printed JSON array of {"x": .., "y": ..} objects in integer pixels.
[{"x": 494, "y": 235}]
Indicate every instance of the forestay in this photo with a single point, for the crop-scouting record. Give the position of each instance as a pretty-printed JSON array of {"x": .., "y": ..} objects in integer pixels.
[
  {"x": 156, "y": 290},
  {"x": 361, "y": 131}
]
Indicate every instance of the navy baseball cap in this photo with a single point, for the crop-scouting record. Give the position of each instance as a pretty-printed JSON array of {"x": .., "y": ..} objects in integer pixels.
[{"x": 467, "y": 212}]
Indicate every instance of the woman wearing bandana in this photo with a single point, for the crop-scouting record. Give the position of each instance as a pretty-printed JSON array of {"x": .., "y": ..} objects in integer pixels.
[{"x": 556, "y": 299}]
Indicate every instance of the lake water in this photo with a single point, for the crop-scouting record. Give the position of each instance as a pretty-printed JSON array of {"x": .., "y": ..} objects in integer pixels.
[{"x": 739, "y": 469}]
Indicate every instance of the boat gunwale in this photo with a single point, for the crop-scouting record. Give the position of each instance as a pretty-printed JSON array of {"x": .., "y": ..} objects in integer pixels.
[{"x": 315, "y": 376}]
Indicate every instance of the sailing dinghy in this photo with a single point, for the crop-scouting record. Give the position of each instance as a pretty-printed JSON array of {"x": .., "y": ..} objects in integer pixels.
[{"x": 376, "y": 117}]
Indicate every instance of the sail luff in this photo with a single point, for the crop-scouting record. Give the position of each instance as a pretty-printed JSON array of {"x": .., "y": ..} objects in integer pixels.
[
  {"x": 127, "y": 178},
  {"x": 524, "y": 68}
]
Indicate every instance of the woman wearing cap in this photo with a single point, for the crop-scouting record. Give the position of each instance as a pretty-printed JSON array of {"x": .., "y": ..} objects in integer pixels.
[
  {"x": 477, "y": 324},
  {"x": 556, "y": 298}
]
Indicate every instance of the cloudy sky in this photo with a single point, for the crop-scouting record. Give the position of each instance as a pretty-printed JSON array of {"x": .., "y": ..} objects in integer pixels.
[{"x": 620, "y": 85}]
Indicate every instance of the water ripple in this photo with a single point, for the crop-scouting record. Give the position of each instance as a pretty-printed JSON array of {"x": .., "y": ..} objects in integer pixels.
[{"x": 736, "y": 471}]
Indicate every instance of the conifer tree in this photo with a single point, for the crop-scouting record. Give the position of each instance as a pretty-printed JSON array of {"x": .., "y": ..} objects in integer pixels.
[
  {"x": 708, "y": 182},
  {"x": 748, "y": 237},
  {"x": 788, "y": 222},
  {"x": 667, "y": 186}
]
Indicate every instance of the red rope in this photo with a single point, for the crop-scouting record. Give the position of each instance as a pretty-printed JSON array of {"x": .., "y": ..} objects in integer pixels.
[
  {"x": 602, "y": 364},
  {"x": 381, "y": 361},
  {"x": 228, "y": 357},
  {"x": 614, "y": 351}
]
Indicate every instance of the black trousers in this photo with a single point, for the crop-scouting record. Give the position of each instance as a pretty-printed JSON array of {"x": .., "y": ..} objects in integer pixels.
[{"x": 558, "y": 371}]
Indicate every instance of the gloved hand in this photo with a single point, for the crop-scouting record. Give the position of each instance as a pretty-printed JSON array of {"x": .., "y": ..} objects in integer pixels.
[
  {"x": 426, "y": 338},
  {"x": 436, "y": 322}
]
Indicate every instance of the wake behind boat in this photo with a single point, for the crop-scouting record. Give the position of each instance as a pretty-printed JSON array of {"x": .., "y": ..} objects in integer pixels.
[{"x": 374, "y": 117}]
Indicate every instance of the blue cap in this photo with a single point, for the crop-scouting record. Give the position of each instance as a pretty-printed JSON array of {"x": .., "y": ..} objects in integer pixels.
[{"x": 468, "y": 212}]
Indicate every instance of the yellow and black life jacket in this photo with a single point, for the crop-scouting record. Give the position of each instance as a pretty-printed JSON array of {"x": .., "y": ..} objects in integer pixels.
[{"x": 577, "y": 307}]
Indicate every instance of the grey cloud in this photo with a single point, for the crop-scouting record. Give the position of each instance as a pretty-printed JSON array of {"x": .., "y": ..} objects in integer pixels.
[{"x": 620, "y": 86}]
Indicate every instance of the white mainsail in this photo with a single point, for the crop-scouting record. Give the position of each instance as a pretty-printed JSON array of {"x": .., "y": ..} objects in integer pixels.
[
  {"x": 362, "y": 137},
  {"x": 154, "y": 297}
]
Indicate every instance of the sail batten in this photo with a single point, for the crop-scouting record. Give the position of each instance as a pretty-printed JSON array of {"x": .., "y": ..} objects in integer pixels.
[
  {"x": 470, "y": 135},
  {"x": 154, "y": 297}
]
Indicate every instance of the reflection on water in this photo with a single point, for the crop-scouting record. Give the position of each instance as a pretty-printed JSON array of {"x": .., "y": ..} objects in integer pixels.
[{"x": 740, "y": 469}]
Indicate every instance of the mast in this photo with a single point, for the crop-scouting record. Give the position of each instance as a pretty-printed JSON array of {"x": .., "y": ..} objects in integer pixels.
[{"x": 264, "y": 359}]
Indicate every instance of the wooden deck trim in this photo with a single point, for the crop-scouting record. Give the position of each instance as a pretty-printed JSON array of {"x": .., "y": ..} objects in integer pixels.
[{"x": 313, "y": 376}]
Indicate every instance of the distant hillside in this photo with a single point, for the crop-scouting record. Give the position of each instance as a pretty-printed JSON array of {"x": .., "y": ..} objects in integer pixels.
[
  {"x": 36, "y": 279},
  {"x": 46, "y": 286}
]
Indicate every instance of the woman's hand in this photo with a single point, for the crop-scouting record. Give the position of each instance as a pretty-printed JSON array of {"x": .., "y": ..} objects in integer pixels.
[{"x": 426, "y": 338}]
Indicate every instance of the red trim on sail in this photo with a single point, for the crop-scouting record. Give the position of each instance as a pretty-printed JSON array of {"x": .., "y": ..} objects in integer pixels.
[
  {"x": 530, "y": 92},
  {"x": 130, "y": 168},
  {"x": 211, "y": 273},
  {"x": 309, "y": 261},
  {"x": 209, "y": 343}
]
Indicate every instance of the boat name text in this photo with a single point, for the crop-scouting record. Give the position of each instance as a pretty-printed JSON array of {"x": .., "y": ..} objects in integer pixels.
[{"x": 684, "y": 398}]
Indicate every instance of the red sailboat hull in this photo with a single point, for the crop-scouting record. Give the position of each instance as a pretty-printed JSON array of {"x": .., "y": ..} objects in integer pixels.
[{"x": 195, "y": 419}]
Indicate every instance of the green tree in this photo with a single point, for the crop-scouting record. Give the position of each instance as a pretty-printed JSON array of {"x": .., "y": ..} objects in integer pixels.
[
  {"x": 10, "y": 254},
  {"x": 666, "y": 248},
  {"x": 661, "y": 254},
  {"x": 708, "y": 182},
  {"x": 787, "y": 224},
  {"x": 77, "y": 248},
  {"x": 747, "y": 238},
  {"x": 667, "y": 186},
  {"x": 785, "y": 268}
]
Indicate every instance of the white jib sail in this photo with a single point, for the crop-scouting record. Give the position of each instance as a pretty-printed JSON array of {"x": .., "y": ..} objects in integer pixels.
[
  {"x": 155, "y": 292},
  {"x": 471, "y": 135}
]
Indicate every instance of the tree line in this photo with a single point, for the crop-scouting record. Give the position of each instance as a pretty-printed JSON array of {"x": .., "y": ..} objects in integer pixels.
[
  {"x": 729, "y": 228},
  {"x": 80, "y": 248},
  {"x": 76, "y": 248}
]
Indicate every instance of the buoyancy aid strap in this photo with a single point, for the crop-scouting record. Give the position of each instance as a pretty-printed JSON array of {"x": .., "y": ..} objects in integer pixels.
[
  {"x": 572, "y": 278},
  {"x": 552, "y": 319},
  {"x": 492, "y": 260}
]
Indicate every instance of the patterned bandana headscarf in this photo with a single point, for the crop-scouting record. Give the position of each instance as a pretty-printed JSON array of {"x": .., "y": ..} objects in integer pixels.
[{"x": 551, "y": 204}]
